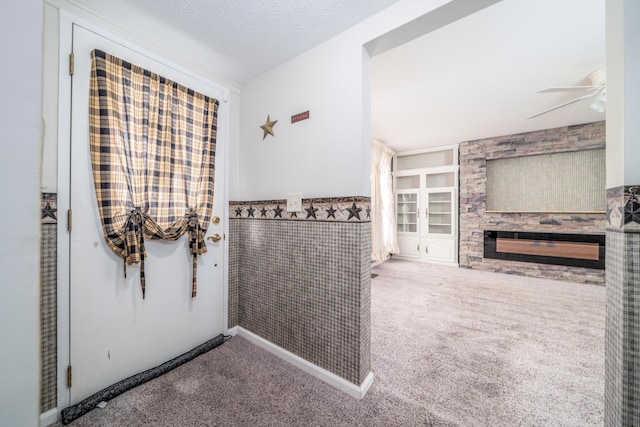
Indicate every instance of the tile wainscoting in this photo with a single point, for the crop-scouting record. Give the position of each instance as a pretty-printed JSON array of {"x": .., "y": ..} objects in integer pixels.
[
  {"x": 302, "y": 280},
  {"x": 474, "y": 218},
  {"x": 48, "y": 302},
  {"x": 622, "y": 336}
]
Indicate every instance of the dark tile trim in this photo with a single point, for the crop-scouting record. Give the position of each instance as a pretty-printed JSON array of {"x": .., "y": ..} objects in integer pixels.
[
  {"x": 623, "y": 209},
  {"x": 333, "y": 209},
  {"x": 49, "y": 208}
]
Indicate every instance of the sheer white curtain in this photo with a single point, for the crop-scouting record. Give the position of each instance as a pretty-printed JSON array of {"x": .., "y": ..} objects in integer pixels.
[{"x": 383, "y": 219}]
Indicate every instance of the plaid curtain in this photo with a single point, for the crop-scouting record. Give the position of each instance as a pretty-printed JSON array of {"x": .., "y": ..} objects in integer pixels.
[{"x": 153, "y": 147}]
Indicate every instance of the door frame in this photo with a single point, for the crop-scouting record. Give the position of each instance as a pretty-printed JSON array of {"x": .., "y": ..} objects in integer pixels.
[{"x": 66, "y": 21}]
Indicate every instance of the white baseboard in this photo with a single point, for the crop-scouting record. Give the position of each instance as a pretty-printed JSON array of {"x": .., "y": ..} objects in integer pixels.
[
  {"x": 330, "y": 378},
  {"x": 232, "y": 331},
  {"x": 49, "y": 417}
]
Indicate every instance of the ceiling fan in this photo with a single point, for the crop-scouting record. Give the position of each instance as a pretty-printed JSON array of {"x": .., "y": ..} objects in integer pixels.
[{"x": 597, "y": 90}]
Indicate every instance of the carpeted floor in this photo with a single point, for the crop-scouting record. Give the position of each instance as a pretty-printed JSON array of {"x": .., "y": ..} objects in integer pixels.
[{"x": 450, "y": 347}]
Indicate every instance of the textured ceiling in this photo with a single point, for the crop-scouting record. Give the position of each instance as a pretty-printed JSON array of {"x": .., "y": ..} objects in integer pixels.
[{"x": 256, "y": 34}]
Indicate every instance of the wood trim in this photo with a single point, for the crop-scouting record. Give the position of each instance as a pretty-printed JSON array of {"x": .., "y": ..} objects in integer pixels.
[
  {"x": 576, "y": 250},
  {"x": 547, "y": 212}
]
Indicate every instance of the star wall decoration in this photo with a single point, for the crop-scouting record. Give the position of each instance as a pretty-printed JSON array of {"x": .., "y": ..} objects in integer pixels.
[
  {"x": 311, "y": 212},
  {"x": 354, "y": 211},
  {"x": 267, "y": 127},
  {"x": 632, "y": 212},
  {"x": 48, "y": 211},
  {"x": 339, "y": 209}
]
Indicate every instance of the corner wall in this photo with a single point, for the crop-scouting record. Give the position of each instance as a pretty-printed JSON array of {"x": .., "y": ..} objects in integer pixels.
[
  {"x": 21, "y": 31},
  {"x": 622, "y": 346},
  {"x": 474, "y": 218},
  {"x": 302, "y": 281}
]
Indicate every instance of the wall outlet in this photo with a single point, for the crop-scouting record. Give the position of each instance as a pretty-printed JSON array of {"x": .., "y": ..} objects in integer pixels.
[{"x": 294, "y": 202}]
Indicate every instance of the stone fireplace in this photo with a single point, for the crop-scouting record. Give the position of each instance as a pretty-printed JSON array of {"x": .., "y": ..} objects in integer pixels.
[{"x": 476, "y": 218}]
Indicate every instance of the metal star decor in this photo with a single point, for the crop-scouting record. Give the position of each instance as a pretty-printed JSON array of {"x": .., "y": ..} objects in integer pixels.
[
  {"x": 238, "y": 211},
  {"x": 331, "y": 213},
  {"x": 263, "y": 212},
  {"x": 267, "y": 127},
  {"x": 278, "y": 212}
]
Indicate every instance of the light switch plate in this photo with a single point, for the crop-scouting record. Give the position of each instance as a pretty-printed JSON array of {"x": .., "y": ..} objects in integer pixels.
[{"x": 294, "y": 202}]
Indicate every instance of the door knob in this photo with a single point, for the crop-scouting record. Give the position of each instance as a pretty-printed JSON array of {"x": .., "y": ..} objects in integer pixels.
[
  {"x": 215, "y": 238},
  {"x": 215, "y": 220}
]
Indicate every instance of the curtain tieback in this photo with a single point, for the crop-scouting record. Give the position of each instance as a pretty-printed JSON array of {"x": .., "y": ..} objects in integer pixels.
[
  {"x": 134, "y": 250},
  {"x": 197, "y": 246}
]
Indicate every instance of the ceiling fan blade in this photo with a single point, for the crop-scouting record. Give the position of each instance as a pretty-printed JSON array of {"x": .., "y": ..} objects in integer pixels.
[
  {"x": 564, "y": 104},
  {"x": 568, "y": 89}
]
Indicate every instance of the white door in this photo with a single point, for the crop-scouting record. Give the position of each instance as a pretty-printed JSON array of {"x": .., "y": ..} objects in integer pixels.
[
  {"x": 440, "y": 212},
  {"x": 407, "y": 219},
  {"x": 441, "y": 250},
  {"x": 114, "y": 333}
]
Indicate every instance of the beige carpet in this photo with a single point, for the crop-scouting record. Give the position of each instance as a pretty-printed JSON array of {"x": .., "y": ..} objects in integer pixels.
[{"x": 450, "y": 347}]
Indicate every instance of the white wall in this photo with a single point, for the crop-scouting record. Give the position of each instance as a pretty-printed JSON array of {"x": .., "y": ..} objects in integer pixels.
[
  {"x": 623, "y": 92},
  {"x": 328, "y": 154},
  {"x": 632, "y": 91},
  {"x": 50, "y": 101},
  {"x": 321, "y": 156},
  {"x": 234, "y": 150},
  {"x": 21, "y": 32}
]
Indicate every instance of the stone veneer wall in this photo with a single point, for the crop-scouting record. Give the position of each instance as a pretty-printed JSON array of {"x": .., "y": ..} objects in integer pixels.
[
  {"x": 473, "y": 216},
  {"x": 302, "y": 280}
]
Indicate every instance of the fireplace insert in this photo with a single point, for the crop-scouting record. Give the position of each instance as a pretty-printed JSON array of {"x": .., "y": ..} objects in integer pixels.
[{"x": 575, "y": 250}]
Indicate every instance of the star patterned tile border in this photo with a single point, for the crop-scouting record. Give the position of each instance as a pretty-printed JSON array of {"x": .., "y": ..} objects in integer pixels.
[
  {"x": 49, "y": 208},
  {"x": 623, "y": 209},
  {"x": 333, "y": 209}
]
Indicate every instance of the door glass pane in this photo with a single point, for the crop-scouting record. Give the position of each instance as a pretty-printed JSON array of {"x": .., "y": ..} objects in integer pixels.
[
  {"x": 407, "y": 182},
  {"x": 407, "y": 212},
  {"x": 435, "y": 180},
  {"x": 440, "y": 213}
]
